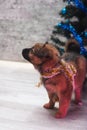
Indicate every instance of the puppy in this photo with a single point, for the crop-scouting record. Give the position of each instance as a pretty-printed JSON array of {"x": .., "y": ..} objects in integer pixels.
[{"x": 60, "y": 74}]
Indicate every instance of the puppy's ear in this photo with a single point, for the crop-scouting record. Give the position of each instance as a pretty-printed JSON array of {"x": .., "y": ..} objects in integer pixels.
[
  {"x": 45, "y": 44},
  {"x": 44, "y": 54},
  {"x": 44, "y": 51}
]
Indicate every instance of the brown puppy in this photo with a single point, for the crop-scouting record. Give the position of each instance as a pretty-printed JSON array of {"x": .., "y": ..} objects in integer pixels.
[{"x": 60, "y": 75}]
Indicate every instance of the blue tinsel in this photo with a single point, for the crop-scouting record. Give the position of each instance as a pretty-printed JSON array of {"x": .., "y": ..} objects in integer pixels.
[
  {"x": 76, "y": 36},
  {"x": 79, "y": 4}
]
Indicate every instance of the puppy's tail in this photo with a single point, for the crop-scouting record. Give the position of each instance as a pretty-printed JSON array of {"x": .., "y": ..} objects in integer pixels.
[{"x": 72, "y": 46}]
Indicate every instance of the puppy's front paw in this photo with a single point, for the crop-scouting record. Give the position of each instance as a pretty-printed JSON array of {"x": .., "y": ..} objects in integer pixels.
[
  {"x": 59, "y": 115},
  {"x": 48, "y": 106}
]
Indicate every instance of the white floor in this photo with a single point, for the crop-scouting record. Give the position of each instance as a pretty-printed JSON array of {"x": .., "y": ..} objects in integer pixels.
[{"x": 21, "y": 102}]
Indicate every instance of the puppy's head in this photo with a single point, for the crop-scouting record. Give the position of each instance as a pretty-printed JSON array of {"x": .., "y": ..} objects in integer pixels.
[{"x": 40, "y": 53}]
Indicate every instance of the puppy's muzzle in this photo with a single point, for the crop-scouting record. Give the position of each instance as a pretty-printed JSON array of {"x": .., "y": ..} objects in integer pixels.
[{"x": 25, "y": 53}]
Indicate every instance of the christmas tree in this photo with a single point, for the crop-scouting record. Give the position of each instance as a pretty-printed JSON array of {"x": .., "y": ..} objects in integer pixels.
[{"x": 74, "y": 25}]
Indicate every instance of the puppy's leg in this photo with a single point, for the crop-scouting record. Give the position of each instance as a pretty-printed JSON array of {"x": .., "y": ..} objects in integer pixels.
[
  {"x": 51, "y": 102},
  {"x": 78, "y": 91},
  {"x": 64, "y": 102},
  {"x": 63, "y": 108}
]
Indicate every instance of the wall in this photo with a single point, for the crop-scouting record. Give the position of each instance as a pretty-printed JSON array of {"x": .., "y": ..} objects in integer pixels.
[{"x": 25, "y": 22}]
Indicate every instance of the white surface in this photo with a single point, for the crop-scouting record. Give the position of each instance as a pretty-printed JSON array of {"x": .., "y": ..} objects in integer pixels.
[{"x": 21, "y": 102}]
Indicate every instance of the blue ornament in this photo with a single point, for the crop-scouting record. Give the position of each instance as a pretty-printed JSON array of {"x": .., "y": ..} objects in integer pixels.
[
  {"x": 63, "y": 11},
  {"x": 85, "y": 34},
  {"x": 59, "y": 24}
]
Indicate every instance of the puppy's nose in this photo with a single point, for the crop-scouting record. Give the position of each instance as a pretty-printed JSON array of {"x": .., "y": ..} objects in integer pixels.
[{"x": 25, "y": 53}]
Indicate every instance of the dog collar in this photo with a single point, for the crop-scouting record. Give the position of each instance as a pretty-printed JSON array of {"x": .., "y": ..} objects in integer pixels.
[
  {"x": 68, "y": 69},
  {"x": 47, "y": 75},
  {"x": 51, "y": 73}
]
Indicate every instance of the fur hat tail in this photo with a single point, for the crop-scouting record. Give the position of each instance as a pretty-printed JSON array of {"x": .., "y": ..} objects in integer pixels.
[{"x": 72, "y": 46}]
